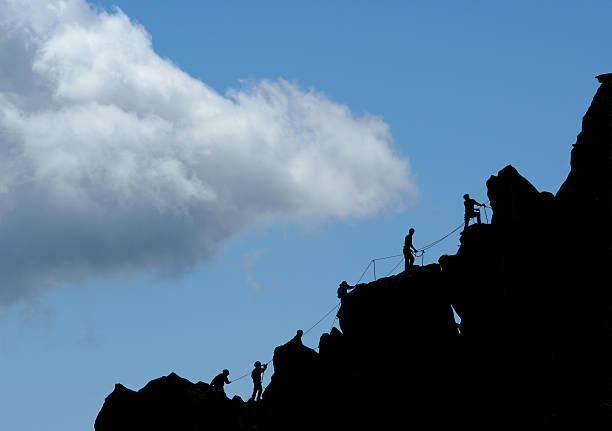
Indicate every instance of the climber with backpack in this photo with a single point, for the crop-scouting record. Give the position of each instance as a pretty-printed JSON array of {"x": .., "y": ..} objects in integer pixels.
[{"x": 343, "y": 290}]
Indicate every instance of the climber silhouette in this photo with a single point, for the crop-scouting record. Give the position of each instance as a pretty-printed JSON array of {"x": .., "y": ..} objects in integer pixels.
[
  {"x": 470, "y": 210},
  {"x": 297, "y": 339},
  {"x": 408, "y": 250},
  {"x": 256, "y": 376},
  {"x": 219, "y": 380},
  {"x": 343, "y": 290}
]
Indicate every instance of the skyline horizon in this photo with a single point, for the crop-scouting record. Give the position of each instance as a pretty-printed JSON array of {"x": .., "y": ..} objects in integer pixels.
[{"x": 185, "y": 186}]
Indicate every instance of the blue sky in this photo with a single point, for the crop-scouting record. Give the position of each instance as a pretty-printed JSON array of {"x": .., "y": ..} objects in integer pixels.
[{"x": 401, "y": 102}]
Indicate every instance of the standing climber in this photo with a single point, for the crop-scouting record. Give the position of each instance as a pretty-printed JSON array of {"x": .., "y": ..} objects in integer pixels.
[
  {"x": 219, "y": 380},
  {"x": 408, "y": 250},
  {"x": 256, "y": 376},
  {"x": 470, "y": 210}
]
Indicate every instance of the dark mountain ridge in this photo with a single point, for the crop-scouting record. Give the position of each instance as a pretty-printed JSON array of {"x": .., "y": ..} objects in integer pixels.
[{"x": 533, "y": 350}]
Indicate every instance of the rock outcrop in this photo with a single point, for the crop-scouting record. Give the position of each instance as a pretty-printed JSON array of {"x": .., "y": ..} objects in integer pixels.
[{"x": 533, "y": 350}]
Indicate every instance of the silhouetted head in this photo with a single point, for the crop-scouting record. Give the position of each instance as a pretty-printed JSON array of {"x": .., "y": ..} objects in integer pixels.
[
  {"x": 299, "y": 332},
  {"x": 344, "y": 284},
  {"x": 411, "y": 231},
  {"x": 226, "y": 372},
  {"x": 466, "y": 196},
  {"x": 257, "y": 364}
]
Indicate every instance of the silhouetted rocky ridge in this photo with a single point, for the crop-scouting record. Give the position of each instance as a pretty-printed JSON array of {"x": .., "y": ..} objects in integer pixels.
[{"x": 533, "y": 350}]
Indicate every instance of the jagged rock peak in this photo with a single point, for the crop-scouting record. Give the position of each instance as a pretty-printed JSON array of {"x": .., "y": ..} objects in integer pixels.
[
  {"x": 532, "y": 290},
  {"x": 604, "y": 78}
]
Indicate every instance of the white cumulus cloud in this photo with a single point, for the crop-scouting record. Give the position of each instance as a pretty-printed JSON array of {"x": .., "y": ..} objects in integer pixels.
[{"x": 113, "y": 159}]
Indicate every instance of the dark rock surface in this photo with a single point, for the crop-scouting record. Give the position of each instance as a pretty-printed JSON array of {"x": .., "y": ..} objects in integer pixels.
[
  {"x": 173, "y": 403},
  {"x": 533, "y": 351}
]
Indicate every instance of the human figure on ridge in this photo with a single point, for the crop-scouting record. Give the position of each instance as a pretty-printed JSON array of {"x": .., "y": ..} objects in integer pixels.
[
  {"x": 408, "y": 250},
  {"x": 256, "y": 376},
  {"x": 219, "y": 380},
  {"x": 470, "y": 209},
  {"x": 297, "y": 339},
  {"x": 343, "y": 290}
]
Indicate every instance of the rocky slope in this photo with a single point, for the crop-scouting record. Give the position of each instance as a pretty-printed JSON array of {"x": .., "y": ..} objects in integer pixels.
[{"x": 533, "y": 290}]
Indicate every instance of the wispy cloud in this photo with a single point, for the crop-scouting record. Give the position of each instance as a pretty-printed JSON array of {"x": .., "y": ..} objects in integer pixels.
[
  {"x": 249, "y": 261},
  {"x": 113, "y": 159}
]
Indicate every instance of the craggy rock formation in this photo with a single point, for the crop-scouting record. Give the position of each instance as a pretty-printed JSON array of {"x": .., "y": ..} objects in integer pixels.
[
  {"x": 533, "y": 350},
  {"x": 173, "y": 403}
]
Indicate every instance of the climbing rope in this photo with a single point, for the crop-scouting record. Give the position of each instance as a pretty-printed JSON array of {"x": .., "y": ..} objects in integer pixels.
[
  {"x": 384, "y": 258},
  {"x": 396, "y": 265},
  {"x": 438, "y": 241},
  {"x": 373, "y": 262},
  {"x": 241, "y": 377},
  {"x": 321, "y": 319},
  {"x": 388, "y": 257},
  {"x": 304, "y": 333},
  {"x": 249, "y": 372},
  {"x": 364, "y": 271},
  {"x": 421, "y": 250}
]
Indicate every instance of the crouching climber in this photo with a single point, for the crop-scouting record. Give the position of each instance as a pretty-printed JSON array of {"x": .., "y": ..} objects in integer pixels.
[
  {"x": 470, "y": 209},
  {"x": 219, "y": 380}
]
